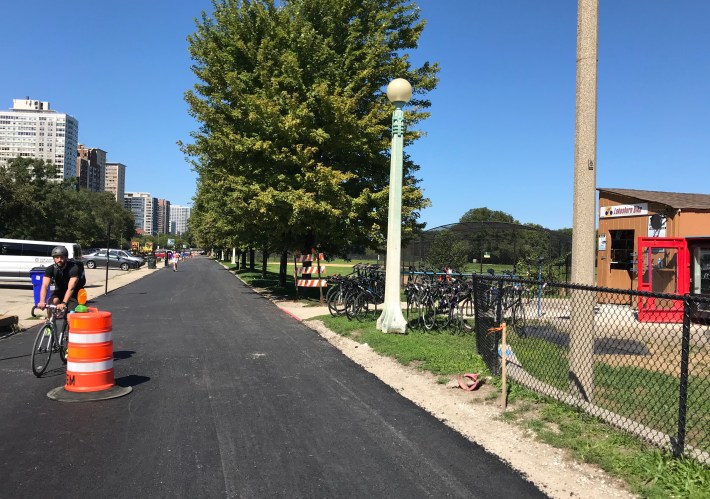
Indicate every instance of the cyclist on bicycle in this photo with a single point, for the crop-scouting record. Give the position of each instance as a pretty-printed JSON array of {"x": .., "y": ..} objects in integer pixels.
[{"x": 66, "y": 276}]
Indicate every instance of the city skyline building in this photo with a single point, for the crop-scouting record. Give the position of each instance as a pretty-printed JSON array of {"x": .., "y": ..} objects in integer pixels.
[
  {"x": 91, "y": 168},
  {"x": 144, "y": 208},
  {"x": 31, "y": 129},
  {"x": 179, "y": 216},
  {"x": 115, "y": 180},
  {"x": 163, "y": 217}
]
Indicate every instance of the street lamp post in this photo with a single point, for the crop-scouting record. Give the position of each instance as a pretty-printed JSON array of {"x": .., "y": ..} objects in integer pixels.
[{"x": 399, "y": 91}]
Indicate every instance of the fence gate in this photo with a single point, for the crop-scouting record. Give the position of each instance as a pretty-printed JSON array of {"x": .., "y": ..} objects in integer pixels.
[{"x": 664, "y": 267}]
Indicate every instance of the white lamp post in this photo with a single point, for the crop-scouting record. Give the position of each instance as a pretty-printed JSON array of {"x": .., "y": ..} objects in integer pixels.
[{"x": 399, "y": 91}]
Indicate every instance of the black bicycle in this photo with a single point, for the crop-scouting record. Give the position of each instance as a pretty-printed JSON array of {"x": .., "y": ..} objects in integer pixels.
[{"x": 50, "y": 338}]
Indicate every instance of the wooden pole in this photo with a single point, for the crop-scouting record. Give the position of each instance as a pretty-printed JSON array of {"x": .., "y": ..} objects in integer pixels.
[{"x": 320, "y": 289}]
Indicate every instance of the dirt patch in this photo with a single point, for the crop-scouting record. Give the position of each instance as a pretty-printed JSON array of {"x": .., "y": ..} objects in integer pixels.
[
  {"x": 477, "y": 416},
  {"x": 661, "y": 359}
]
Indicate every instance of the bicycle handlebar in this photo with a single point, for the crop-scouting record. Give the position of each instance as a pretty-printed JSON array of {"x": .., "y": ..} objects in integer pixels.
[{"x": 49, "y": 306}]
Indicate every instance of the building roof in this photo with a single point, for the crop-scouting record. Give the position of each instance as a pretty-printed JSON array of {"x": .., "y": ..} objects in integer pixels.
[{"x": 676, "y": 200}]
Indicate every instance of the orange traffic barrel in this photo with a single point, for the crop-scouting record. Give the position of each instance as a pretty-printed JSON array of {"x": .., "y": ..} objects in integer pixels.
[{"x": 90, "y": 352}]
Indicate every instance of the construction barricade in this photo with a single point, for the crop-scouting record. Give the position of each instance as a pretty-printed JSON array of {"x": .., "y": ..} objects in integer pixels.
[
  {"x": 90, "y": 374},
  {"x": 308, "y": 272}
]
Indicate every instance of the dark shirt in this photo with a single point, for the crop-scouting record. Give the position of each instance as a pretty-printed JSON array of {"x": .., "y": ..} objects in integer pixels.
[{"x": 61, "y": 278}]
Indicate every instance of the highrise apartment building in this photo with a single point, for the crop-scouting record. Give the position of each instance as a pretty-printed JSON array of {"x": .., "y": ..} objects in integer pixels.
[
  {"x": 115, "y": 180},
  {"x": 144, "y": 208},
  {"x": 91, "y": 168},
  {"x": 179, "y": 215},
  {"x": 163, "y": 218},
  {"x": 32, "y": 130}
]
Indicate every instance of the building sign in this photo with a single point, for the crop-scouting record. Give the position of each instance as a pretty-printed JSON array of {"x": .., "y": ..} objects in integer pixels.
[
  {"x": 660, "y": 230},
  {"x": 623, "y": 210},
  {"x": 602, "y": 242}
]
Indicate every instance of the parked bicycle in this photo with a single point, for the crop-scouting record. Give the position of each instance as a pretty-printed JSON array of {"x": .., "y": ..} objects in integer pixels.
[
  {"x": 356, "y": 295},
  {"x": 368, "y": 293},
  {"x": 50, "y": 338},
  {"x": 513, "y": 297},
  {"x": 439, "y": 300}
]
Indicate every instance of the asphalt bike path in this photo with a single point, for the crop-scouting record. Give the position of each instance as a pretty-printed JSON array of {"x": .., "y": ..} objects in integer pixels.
[{"x": 232, "y": 397}]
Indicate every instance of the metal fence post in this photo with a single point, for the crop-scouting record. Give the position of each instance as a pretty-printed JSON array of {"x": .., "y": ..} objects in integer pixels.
[{"x": 679, "y": 444}]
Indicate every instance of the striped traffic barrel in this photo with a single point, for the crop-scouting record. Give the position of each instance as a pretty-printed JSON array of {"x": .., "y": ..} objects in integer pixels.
[{"x": 90, "y": 352}]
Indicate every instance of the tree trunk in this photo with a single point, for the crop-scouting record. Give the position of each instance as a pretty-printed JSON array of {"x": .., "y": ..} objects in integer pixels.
[
  {"x": 264, "y": 260},
  {"x": 282, "y": 268},
  {"x": 251, "y": 258}
]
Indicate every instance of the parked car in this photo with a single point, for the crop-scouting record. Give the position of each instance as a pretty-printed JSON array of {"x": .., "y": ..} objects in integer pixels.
[
  {"x": 116, "y": 258},
  {"x": 136, "y": 255}
]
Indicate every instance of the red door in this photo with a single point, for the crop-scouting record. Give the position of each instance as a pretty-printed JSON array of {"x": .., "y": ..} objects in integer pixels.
[{"x": 663, "y": 267}]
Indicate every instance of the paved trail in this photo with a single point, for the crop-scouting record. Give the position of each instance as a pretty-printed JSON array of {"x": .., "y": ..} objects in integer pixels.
[{"x": 231, "y": 398}]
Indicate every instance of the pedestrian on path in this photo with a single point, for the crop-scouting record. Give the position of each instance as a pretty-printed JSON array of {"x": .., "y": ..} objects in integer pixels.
[{"x": 175, "y": 258}]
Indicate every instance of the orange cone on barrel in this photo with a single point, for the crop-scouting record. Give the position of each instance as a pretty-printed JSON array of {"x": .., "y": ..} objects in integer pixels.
[{"x": 90, "y": 352}]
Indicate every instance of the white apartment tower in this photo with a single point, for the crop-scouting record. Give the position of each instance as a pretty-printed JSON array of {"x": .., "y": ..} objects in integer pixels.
[
  {"x": 115, "y": 180},
  {"x": 144, "y": 208},
  {"x": 179, "y": 215},
  {"x": 32, "y": 130}
]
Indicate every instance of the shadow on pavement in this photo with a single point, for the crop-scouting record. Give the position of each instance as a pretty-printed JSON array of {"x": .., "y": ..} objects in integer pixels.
[
  {"x": 15, "y": 357},
  {"x": 122, "y": 354},
  {"x": 131, "y": 380}
]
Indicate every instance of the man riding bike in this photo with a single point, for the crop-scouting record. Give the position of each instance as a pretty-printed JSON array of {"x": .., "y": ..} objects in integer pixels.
[{"x": 66, "y": 276}]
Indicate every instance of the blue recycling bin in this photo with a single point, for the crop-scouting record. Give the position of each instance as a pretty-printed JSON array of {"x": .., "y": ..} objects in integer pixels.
[{"x": 37, "y": 275}]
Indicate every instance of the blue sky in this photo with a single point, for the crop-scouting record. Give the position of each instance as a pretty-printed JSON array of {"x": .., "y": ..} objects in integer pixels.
[{"x": 501, "y": 133}]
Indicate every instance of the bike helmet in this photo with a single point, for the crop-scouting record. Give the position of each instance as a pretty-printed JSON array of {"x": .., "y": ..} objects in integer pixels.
[{"x": 60, "y": 251}]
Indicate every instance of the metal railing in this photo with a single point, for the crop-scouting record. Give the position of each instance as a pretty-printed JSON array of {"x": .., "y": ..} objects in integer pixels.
[{"x": 585, "y": 346}]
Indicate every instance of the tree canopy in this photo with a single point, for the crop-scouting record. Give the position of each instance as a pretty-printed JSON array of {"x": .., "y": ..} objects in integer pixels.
[
  {"x": 491, "y": 234},
  {"x": 292, "y": 149},
  {"x": 34, "y": 206},
  {"x": 485, "y": 214}
]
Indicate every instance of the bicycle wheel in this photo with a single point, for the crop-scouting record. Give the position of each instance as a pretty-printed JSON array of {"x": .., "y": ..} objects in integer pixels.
[
  {"x": 465, "y": 315},
  {"x": 42, "y": 349},
  {"x": 447, "y": 307},
  {"x": 518, "y": 319},
  {"x": 428, "y": 313},
  {"x": 352, "y": 305},
  {"x": 336, "y": 301},
  {"x": 365, "y": 307},
  {"x": 413, "y": 311},
  {"x": 63, "y": 341}
]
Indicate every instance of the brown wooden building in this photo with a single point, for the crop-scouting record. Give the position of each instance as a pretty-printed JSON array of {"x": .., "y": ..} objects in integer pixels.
[{"x": 677, "y": 262}]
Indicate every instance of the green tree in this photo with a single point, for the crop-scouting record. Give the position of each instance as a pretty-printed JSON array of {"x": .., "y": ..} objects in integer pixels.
[
  {"x": 448, "y": 250},
  {"x": 25, "y": 197},
  {"x": 294, "y": 122},
  {"x": 34, "y": 206},
  {"x": 487, "y": 215}
]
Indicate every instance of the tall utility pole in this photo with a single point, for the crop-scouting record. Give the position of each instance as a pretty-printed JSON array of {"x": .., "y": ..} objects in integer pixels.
[{"x": 584, "y": 210}]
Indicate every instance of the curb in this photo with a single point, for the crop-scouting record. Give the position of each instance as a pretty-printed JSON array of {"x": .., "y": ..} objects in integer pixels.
[{"x": 288, "y": 312}]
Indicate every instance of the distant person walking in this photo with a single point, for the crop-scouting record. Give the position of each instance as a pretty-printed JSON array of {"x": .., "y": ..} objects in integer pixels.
[{"x": 175, "y": 258}]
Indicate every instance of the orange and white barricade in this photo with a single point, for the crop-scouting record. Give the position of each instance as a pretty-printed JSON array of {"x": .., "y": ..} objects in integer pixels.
[
  {"x": 90, "y": 352},
  {"x": 90, "y": 374}
]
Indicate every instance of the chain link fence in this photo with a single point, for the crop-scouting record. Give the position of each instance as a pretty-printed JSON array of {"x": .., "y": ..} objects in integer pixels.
[{"x": 586, "y": 347}]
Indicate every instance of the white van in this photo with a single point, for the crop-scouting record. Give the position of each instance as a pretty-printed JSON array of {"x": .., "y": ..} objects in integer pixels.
[{"x": 18, "y": 257}]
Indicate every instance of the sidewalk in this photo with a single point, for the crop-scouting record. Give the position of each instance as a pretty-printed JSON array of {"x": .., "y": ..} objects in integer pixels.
[
  {"x": 300, "y": 311},
  {"x": 17, "y": 299}
]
